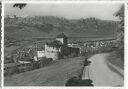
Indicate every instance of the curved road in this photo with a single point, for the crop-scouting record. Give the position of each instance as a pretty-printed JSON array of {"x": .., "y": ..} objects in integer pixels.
[{"x": 100, "y": 73}]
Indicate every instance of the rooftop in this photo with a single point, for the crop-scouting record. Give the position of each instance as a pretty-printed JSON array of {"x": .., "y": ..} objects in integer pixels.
[{"x": 62, "y": 35}]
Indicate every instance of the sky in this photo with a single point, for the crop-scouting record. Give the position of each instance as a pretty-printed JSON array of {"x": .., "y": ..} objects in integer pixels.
[{"x": 102, "y": 11}]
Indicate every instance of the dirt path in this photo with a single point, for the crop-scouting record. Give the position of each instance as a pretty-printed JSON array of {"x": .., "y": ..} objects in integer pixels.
[{"x": 101, "y": 74}]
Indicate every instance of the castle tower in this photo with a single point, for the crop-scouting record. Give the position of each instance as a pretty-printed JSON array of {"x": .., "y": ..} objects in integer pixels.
[
  {"x": 62, "y": 38},
  {"x": 52, "y": 49}
]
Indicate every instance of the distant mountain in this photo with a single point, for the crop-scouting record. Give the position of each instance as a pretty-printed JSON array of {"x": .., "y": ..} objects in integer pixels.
[{"x": 19, "y": 28}]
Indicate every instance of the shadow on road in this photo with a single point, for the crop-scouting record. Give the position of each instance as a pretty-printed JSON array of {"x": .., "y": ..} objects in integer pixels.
[{"x": 74, "y": 81}]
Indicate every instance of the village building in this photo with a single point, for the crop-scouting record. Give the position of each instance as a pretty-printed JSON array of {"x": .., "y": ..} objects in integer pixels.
[{"x": 59, "y": 48}]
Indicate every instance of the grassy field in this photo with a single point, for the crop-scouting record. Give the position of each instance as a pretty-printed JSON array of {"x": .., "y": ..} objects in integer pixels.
[{"x": 55, "y": 74}]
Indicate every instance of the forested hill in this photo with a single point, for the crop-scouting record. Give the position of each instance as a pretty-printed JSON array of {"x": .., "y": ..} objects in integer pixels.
[{"x": 48, "y": 26}]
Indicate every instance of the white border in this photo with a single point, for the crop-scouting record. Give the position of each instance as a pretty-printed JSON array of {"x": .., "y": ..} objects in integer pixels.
[
  {"x": 62, "y": 1},
  {"x": 2, "y": 45},
  {"x": 66, "y": 2},
  {"x": 126, "y": 47}
]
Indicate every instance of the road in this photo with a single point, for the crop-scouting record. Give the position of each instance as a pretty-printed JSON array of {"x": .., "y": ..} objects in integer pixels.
[{"x": 100, "y": 73}]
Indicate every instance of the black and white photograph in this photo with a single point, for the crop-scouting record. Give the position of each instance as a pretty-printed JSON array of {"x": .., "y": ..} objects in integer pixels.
[{"x": 64, "y": 44}]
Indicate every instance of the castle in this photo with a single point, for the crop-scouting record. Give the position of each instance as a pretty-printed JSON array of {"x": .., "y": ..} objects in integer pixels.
[
  {"x": 53, "y": 49},
  {"x": 59, "y": 48}
]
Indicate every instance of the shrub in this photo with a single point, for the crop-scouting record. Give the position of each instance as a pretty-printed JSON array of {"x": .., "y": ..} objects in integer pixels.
[{"x": 75, "y": 81}]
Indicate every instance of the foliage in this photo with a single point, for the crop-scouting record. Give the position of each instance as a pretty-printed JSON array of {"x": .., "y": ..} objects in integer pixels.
[
  {"x": 20, "y": 5},
  {"x": 116, "y": 57},
  {"x": 120, "y": 14},
  {"x": 75, "y": 81},
  {"x": 69, "y": 52},
  {"x": 120, "y": 31}
]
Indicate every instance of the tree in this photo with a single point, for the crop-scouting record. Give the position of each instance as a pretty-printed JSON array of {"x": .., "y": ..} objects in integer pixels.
[
  {"x": 120, "y": 34},
  {"x": 120, "y": 31},
  {"x": 20, "y": 5}
]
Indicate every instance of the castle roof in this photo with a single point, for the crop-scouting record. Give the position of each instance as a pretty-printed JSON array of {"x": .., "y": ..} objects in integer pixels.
[{"x": 62, "y": 35}]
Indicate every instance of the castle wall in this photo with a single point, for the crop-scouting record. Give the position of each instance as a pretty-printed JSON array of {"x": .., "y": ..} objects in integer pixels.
[
  {"x": 51, "y": 52},
  {"x": 53, "y": 55}
]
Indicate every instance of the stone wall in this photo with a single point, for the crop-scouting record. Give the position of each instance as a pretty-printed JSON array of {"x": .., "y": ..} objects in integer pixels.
[{"x": 51, "y": 52}]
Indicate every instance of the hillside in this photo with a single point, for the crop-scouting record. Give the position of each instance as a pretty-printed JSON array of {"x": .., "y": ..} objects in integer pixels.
[{"x": 49, "y": 26}]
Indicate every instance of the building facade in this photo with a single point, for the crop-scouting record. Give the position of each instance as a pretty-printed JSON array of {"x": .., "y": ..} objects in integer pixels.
[
  {"x": 52, "y": 52},
  {"x": 53, "y": 49}
]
